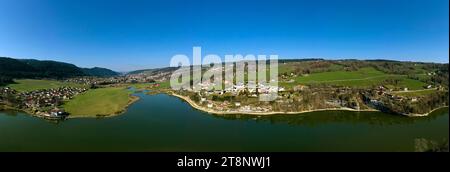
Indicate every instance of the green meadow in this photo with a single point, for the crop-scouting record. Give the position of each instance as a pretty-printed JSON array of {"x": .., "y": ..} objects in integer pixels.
[
  {"x": 367, "y": 77},
  {"x": 102, "y": 101},
  {"x": 417, "y": 93},
  {"x": 24, "y": 85},
  {"x": 362, "y": 78},
  {"x": 362, "y": 74},
  {"x": 143, "y": 86},
  {"x": 290, "y": 67}
]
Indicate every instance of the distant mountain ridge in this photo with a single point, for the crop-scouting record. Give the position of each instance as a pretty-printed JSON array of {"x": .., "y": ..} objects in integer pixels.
[
  {"x": 151, "y": 71},
  {"x": 53, "y": 69},
  {"x": 98, "y": 71},
  {"x": 29, "y": 68},
  {"x": 171, "y": 69}
]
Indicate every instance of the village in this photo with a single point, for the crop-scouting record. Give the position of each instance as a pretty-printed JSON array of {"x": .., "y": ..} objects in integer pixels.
[
  {"x": 243, "y": 98},
  {"x": 240, "y": 97},
  {"x": 125, "y": 79},
  {"x": 43, "y": 103}
]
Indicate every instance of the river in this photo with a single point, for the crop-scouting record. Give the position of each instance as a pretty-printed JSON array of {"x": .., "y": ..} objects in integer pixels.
[{"x": 165, "y": 123}]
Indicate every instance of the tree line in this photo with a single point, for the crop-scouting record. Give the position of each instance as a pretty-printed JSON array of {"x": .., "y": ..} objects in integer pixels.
[{"x": 28, "y": 68}]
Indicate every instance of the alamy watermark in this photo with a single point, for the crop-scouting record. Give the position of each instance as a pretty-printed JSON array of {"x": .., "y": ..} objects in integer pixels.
[{"x": 253, "y": 74}]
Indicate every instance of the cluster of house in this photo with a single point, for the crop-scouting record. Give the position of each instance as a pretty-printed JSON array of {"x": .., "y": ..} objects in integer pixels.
[
  {"x": 215, "y": 105},
  {"x": 45, "y": 102},
  {"x": 5, "y": 94},
  {"x": 254, "y": 109},
  {"x": 288, "y": 76},
  {"x": 400, "y": 98},
  {"x": 138, "y": 78},
  {"x": 235, "y": 89},
  {"x": 235, "y": 106},
  {"x": 97, "y": 80},
  {"x": 6, "y": 90},
  {"x": 144, "y": 77},
  {"x": 40, "y": 102},
  {"x": 387, "y": 93}
]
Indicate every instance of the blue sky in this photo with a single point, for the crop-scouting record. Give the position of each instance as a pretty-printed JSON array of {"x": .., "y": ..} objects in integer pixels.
[{"x": 135, "y": 34}]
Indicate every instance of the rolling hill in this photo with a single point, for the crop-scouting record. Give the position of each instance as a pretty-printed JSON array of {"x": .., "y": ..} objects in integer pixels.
[
  {"x": 29, "y": 68},
  {"x": 152, "y": 71},
  {"x": 98, "y": 71}
]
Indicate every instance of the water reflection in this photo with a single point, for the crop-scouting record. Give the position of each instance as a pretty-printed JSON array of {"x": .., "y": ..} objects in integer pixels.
[
  {"x": 164, "y": 123},
  {"x": 323, "y": 117}
]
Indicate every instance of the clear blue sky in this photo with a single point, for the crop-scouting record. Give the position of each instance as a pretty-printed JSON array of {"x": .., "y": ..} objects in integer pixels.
[{"x": 134, "y": 34}]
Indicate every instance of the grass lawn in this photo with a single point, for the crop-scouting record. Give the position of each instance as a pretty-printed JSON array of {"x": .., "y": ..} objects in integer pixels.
[
  {"x": 102, "y": 101},
  {"x": 337, "y": 76},
  {"x": 365, "y": 77},
  {"x": 417, "y": 93},
  {"x": 24, "y": 85},
  {"x": 412, "y": 84},
  {"x": 290, "y": 67},
  {"x": 141, "y": 86}
]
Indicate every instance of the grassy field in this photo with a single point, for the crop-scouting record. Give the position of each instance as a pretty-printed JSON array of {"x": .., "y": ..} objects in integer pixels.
[
  {"x": 24, "y": 85},
  {"x": 365, "y": 77},
  {"x": 290, "y": 67},
  {"x": 417, "y": 93},
  {"x": 143, "y": 86},
  {"x": 102, "y": 101},
  {"x": 412, "y": 84},
  {"x": 363, "y": 73}
]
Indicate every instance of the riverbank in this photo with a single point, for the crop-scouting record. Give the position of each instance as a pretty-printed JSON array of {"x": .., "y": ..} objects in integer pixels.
[
  {"x": 132, "y": 99},
  {"x": 6, "y": 107},
  {"x": 211, "y": 111},
  {"x": 27, "y": 111},
  {"x": 425, "y": 114},
  {"x": 147, "y": 126}
]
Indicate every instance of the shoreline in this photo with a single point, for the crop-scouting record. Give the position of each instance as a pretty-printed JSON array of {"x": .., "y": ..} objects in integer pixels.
[
  {"x": 194, "y": 105},
  {"x": 211, "y": 111},
  {"x": 132, "y": 100},
  {"x": 425, "y": 114}
]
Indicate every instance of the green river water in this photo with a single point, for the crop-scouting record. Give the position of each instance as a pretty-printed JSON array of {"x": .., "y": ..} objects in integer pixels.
[{"x": 164, "y": 123}]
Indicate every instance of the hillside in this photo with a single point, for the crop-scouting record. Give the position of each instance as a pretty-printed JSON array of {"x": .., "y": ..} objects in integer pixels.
[
  {"x": 153, "y": 71},
  {"x": 396, "y": 87},
  {"x": 365, "y": 73},
  {"x": 29, "y": 68},
  {"x": 10, "y": 68},
  {"x": 98, "y": 71},
  {"x": 53, "y": 69}
]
